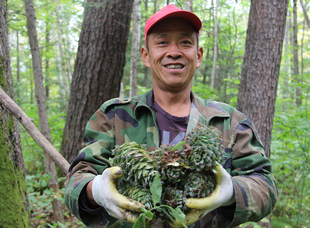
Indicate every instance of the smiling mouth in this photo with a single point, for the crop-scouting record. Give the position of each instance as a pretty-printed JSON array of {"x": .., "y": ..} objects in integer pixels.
[{"x": 174, "y": 66}]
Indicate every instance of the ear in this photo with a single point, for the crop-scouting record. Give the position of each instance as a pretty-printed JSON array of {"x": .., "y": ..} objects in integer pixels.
[
  {"x": 145, "y": 57},
  {"x": 199, "y": 57}
]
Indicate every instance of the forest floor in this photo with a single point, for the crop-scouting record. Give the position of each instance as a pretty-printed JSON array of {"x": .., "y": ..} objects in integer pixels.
[{"x": 43, "y": 217}]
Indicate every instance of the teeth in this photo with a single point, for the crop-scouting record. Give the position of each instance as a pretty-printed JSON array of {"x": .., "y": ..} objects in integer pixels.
[{"x": 177, "y": 66}]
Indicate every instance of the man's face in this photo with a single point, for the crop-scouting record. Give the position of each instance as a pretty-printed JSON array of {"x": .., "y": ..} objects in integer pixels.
[{"x": 173, "y": 55}]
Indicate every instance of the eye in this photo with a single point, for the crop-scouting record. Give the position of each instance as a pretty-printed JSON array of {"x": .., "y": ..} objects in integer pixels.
[
  {"x": 162, "y": 42},
  {"x": 186, "y": 42}
]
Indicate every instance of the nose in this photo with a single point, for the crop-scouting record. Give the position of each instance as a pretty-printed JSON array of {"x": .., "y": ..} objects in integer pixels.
[{"x": 174, "y": 51}]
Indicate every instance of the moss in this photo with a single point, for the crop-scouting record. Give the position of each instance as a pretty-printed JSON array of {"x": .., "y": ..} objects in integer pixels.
[
  {"x": 13, "y": 212},
  {"x": 2, "y": 78}
]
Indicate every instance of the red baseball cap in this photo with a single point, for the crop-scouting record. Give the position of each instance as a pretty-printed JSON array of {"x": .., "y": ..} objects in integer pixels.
[{"x": 172, "y": 11}]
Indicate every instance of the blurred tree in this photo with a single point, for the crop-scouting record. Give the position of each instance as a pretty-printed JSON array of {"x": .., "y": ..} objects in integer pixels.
[
  {"x": 297, "y": 78},
  {"x": 135, "y": 48}
]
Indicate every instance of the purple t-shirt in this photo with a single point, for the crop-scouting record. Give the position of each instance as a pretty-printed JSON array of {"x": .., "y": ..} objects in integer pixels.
[{"x": 172, "y": 129}]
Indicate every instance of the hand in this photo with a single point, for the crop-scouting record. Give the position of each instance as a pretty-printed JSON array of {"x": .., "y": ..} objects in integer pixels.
[
  {"x": 105, "y": 194},
  {"x": 223, "y": 195}
]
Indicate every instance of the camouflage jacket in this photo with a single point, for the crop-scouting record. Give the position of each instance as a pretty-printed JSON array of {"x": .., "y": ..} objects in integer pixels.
[{"x": 131, "y": 119}]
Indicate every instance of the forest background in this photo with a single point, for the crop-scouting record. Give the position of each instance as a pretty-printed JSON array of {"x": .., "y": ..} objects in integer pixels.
[{"x": 58, "y": 29}]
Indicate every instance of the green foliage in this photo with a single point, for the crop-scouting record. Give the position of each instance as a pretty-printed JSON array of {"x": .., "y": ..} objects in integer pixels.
[
  {"x": 290, "y": 154},
  {"x": 156, "y": 190},
  {"x": 204, "y": 91},
  {"x": 40, "y": 203}
]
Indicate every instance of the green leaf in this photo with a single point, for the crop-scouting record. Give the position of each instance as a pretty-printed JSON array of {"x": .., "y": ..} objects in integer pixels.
[
  {"x": 139, "y": 222},
  {"x": 178, "y": 214},
  {"x": 156, "y": 189},
  {"x": 147, "y": 213},
  {"x": 178, "y": 145}
]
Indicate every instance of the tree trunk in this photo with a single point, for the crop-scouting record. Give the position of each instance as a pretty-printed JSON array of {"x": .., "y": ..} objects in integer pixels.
[
  {"x": 47, "y": 63},
  {"x": 61, "y": 86},
  {"x": 135, "y": 48},
  {"x": 62, "y": 59},
  {"x": 262, "y": 58},
  {"x": 155, "y": 6},
  {"x": 17, "y": 66},
  {"x": 286, "y": 67},
  {"x": 295, "y": 54},
  {"x": 98, "y": 68},
  {"x": 215, "y": 45},
  {"x": 13, "y": 190},
  {"x": 304, "y": 9},
  {"x": 188, "y": 5},
  {"x": 41, "y": 104}
]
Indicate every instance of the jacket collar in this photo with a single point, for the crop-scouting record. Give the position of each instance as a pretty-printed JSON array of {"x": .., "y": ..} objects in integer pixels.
[{"x": 206, "y": 108}]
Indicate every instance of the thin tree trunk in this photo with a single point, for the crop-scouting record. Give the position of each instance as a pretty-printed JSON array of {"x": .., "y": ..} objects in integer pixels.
[
  {"x": 298, "y": 99},
  {"x": 302, "y": 51},
  {"x": 206, "y": 68},
  {"x": 214, "y": 45},
  {"x": 188, "y": 5},
  {"x": 47, "y": 40},
  {"x": 205, "y": 71},
  {"x": 41, "y": 103},
  {"x": 61, "y": 86},
  {"x": 146, "y": 69},
  {"x": 286, "y": 67},
  {"x": 68, "y": 58},
  {"x": 146, "y": 77},
  {"x": 304, "y": 9},
  {"x": 219, "y": 79},
  {"x": 135, "y": 48},
  {"x": 17, "y": 66},
  {"x": 65, "y": 79}
]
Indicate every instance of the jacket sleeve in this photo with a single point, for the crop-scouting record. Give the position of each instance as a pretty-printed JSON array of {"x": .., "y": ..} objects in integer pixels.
[
  {"x": 91, "y": 161},
  {"x": 255, "y": 188}
]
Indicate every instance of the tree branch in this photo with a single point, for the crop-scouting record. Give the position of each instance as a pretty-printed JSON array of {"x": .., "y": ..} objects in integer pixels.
[
  {"x": 304, "y": 9},
  {"x": 33, "y": 131}
]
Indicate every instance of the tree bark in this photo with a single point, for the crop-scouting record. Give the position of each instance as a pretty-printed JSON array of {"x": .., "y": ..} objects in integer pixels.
[
  {"x": 135, "y": 48},
  {"x": 14, "y": 200},
  {"x": 98, "y": 68},
  {"x": 262, "y": 58},
  {"x": 41, "y": 104}
]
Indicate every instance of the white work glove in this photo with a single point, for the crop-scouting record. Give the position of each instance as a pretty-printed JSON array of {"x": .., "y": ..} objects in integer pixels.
[
  {"x": 223, "y": 195},
  {"x": 105, "y": 194}
]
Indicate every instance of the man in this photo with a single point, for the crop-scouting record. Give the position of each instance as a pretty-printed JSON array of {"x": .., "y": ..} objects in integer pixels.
[{"x": 248, "y": 189}]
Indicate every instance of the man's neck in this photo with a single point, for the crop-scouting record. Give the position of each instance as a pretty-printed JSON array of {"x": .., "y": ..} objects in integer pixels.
[{"x": 175, "y": 103}]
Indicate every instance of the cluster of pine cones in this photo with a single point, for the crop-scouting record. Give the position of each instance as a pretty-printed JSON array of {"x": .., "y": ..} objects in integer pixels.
[{"x": 185, "y": 172}]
